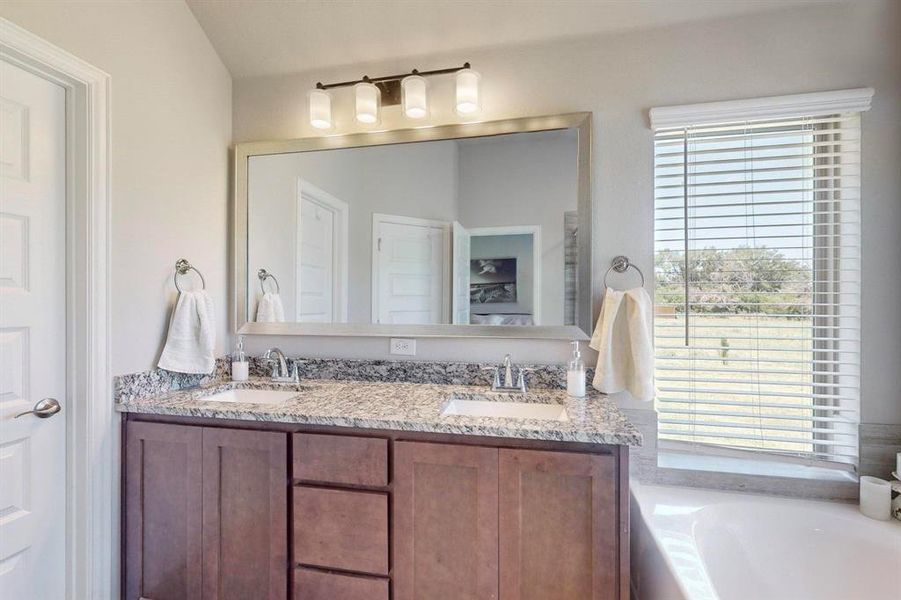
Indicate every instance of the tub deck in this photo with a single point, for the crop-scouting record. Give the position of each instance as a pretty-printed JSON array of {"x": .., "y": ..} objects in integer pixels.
[{"x": 695, "y": 544}]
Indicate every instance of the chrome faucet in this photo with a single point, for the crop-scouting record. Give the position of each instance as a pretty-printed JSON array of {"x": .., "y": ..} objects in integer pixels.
[
  {"x": 508, "y": 385},
  {"x": 280, "y": 372},
  {"x": 508, "y": 371}
]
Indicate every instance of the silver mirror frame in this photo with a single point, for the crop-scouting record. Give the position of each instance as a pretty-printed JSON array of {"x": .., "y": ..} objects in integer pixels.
[{"x": 580, "y": 121}]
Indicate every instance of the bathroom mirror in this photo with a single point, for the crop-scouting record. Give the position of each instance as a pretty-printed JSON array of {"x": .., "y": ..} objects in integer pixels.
[{"x": 480, "y": 229}]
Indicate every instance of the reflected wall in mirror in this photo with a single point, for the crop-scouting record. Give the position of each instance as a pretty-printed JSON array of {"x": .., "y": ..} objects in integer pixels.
[{"x": 474, "y": 230}]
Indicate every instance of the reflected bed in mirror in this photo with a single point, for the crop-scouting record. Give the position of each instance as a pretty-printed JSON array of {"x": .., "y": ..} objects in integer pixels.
[{"x": 462, "y": 230}]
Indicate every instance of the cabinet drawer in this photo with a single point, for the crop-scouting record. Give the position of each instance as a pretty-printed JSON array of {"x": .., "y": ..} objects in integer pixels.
[
  {"x": 341, "y": 459},
  {"x": 341, "y": 529},
  {"x": 317, "y": 585}
]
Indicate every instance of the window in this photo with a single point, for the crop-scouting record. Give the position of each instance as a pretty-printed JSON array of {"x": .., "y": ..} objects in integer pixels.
[{"x": 757, "y": 255}]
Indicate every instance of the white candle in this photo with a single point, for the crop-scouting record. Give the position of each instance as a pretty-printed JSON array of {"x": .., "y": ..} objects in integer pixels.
[{"x": 875, "y": 498}]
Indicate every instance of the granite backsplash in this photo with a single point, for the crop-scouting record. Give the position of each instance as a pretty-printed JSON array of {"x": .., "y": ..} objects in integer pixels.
[{"x": 137, "y": 386}]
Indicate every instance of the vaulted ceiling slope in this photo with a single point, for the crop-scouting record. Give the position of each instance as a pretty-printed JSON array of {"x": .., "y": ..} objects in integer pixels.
[{"x": 256, "y": 37}]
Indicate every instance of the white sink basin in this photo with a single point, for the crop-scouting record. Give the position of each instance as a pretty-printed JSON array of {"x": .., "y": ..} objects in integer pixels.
[
  {"x": 505, "y": 410},
  {"x": 251, "y": 396}
]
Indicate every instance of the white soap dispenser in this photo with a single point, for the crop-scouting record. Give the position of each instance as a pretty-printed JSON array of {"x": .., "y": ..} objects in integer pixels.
[
  {"x": 239, "y": 361},
  {"x": 575, "y": 374}
]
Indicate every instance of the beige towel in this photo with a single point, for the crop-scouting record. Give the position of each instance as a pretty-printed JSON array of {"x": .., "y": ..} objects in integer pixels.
[
  {"x": 191, "y": 338},
  {"x": 622, "y": 338}
]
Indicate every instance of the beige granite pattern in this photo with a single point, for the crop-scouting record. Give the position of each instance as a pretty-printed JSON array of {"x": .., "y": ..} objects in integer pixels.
[{"x": 400, "y": 407}]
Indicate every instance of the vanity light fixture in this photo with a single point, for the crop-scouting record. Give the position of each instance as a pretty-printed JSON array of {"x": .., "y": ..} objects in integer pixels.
[
  {"x": 320, "y": 102},
  {"x": 367, "y": 98},
  {"x": 414, "y": 94},
  {"x": 411, "y": 90},
  {"x": 469, "y": 100}
]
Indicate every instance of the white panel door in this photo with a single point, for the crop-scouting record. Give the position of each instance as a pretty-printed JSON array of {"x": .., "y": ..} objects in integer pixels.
[
  {"x": 316, "y": 263},
  {"x": 460, "y": 275},
  {"x": 409, "y": 275},
  {"x": 32, "y": 336},
  {"x": 321, "y": 260}
]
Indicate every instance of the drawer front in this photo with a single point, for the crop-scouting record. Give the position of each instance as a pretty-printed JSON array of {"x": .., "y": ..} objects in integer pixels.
[
  {"x": 341, "y": 459},
  {"x": 317, "y": 585},
  {"x": 341, "y": 529}
]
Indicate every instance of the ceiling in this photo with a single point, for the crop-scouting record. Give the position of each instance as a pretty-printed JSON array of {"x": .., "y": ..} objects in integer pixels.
[{"x": 264, "y": 37}]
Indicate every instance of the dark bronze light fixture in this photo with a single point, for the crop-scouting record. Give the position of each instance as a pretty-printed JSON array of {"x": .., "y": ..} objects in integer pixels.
[{"x": 408, "y": 89}]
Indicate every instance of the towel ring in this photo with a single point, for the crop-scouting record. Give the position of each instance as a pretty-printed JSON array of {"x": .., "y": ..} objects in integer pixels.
[
  {"x": 621, "y": 264},
  {"x": 182, "y": 266},
  {"x": 263, "y": 274}
]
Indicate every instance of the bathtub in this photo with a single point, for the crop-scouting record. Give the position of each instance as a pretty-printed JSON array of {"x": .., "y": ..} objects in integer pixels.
[{"x": 694, "y": 544}]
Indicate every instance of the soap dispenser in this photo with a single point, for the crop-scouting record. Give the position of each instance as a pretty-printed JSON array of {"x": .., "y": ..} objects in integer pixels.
[
  {"x": 575, "y": 374},
  {"x": 239, "y": 361}
]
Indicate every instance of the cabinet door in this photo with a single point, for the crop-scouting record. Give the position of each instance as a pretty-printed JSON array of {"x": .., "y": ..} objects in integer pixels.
[
  {"x": 163, "y": 511},
  {"x": 558, "y": 526},
  {"x": 245, "y": 514},
  {"x": 445, "y": 522}
]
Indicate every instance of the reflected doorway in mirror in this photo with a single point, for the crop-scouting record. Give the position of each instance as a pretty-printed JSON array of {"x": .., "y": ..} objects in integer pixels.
[
  {"x": 321, "y": 261},
  {"x": 410, "y": 278},
  {"x": 505, "y": 275}
]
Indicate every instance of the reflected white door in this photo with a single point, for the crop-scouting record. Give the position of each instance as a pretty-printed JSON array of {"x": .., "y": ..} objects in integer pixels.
[
  {"x": 460, "y": 275},
  {"x": 32, "y": 335},
  {"x": 316, "y": 273},
  {"x": 409, "y": 275},
  {"x": 321, "y": 256}
]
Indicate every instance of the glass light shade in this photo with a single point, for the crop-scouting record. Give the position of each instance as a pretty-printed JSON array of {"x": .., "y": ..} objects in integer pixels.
[
  {"x": 367, "y": 98},
  {"x": 414, "y": 92},
  {"x": 320, "y": 102},
  {"x": 469, "y": 100}
]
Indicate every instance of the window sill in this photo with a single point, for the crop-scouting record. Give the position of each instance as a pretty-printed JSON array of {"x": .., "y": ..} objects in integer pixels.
[{"x": 730, "y": 465}]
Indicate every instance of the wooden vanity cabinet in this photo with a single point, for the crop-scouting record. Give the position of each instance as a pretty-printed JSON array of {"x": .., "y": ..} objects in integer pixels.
[
  {"x": 205, "y": 513},
  {"x": 213, "y": 506}
]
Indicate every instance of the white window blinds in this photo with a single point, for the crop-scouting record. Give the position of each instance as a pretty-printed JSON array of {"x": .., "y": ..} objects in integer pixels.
[{"x": 757, "y": 250}]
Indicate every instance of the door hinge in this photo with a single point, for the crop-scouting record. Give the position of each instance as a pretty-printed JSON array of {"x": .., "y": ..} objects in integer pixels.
[{"x": 380, "y": 245}]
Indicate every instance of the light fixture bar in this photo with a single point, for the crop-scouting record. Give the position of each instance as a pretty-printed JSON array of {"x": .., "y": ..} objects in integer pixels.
[{"x": 387, "y": 78}]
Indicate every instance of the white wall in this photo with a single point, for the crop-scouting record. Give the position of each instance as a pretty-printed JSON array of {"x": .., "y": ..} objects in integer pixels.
[
  {"x": 407, "y": 180},
  {"x": 619, "y": 77},
  {"x": 171, "y": 129}
]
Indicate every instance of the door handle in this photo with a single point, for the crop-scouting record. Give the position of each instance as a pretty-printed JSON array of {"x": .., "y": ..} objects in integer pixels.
[{"x": 43, "y": 409}]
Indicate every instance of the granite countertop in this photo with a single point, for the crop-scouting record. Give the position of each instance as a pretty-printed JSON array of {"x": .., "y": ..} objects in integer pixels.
[{"x": 401, "y": 407}]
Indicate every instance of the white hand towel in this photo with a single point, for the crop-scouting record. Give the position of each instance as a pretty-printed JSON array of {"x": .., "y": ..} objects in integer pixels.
[
  {"x": 270, "y": 309},
  {"x": 191, "y": 339},
  {"x": 622, "y": 338}
]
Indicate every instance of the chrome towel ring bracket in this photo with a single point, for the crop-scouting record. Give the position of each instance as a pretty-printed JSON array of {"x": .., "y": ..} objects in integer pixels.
[
  {"x": 182, "y": 266},
  {"x": 263, "y": 274},
  {"x": 621, "y": 264}
]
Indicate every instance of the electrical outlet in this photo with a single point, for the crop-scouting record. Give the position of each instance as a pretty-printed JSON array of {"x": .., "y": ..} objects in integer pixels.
[{"x": 403, "y": 346}]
